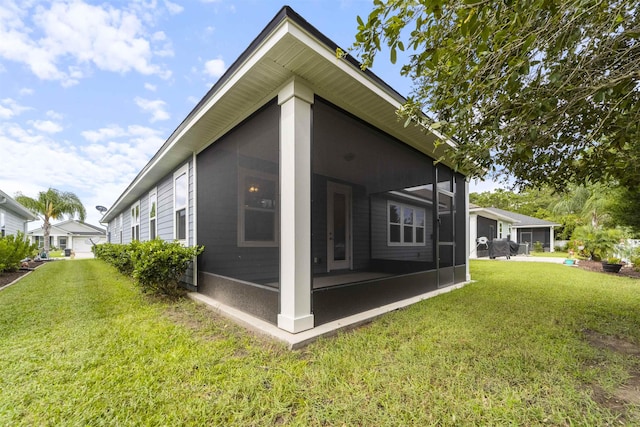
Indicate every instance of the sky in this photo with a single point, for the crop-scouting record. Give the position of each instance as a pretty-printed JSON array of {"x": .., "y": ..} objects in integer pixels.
[{"x": 90, "y": 90}]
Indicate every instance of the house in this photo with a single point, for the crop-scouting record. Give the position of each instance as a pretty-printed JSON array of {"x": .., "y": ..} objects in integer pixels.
[
  {"x": 313, "y": 201},
  {"x": 486, "y": 224},
  {"x": 71, "y": 234},
  {"x": 13, "y": 216},
  {"x": 494, "y": 223}
]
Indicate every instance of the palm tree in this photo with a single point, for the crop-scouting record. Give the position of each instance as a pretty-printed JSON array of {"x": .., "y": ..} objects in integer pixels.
[{"x": 53, "y": 204}]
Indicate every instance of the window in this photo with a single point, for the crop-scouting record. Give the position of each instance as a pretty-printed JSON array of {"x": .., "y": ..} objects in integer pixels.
[
  {"x": 135, "y": 221},
  {"x": 258, "y": 215},
  {"x": 406, "y": 225},
  {"x": 500, "y": 231},
  {"x": 2, "y": 227},
  {"x": 153, "y": 214},
  {"x": 62, "y": 243},
  {"x": 180, "y": 203}
]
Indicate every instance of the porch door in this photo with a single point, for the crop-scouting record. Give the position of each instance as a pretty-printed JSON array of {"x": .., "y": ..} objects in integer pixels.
[
  {"x": 338, "y": 226},
  {"x": 445, "y": 238}
]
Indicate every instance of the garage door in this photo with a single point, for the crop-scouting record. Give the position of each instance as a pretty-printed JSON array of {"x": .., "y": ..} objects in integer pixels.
[{"x": 81, "y": 244}]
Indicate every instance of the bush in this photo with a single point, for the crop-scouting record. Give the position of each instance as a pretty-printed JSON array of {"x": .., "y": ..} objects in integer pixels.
[
  {"x": 156, "y": 265},
  {"x": 159, "y": 265},
  {"x": 537, "y": 247},
  {"x": 635, "y": 259},
  {"x": 14, "y": 249}
]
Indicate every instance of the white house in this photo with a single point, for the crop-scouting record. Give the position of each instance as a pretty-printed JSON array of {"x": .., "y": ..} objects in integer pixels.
[
  {"x": 13, "y": 216},
  {"x": 71, "y": 234}
]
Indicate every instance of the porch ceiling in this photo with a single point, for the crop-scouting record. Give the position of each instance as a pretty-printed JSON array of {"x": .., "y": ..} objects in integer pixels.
[{"x": 290, "y": 50}]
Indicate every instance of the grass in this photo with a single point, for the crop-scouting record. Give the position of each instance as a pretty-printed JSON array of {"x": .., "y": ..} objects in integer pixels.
[
  {"x": 555, "y": 254},
  {"x": 79, "y": 345}
]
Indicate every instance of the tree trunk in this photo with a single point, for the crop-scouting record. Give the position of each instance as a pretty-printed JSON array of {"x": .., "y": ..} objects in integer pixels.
[{"x": 46, "y": 227}]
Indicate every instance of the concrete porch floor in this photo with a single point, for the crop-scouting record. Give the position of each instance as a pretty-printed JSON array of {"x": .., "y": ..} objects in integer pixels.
[{"x": 301, "y": 339}]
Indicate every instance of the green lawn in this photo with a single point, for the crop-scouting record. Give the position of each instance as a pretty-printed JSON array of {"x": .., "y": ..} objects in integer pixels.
[
  {"x": 556, "y": 254},
  {"x": 79, "y": 345}
]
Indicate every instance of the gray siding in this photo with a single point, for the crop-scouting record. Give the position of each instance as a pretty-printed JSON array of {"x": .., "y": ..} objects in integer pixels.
[
  {"x": 165, "y": 208},
  {"x": 13, "y": 223}
]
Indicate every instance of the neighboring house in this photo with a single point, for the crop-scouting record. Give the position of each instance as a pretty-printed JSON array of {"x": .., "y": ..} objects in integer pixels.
[
  {"x": 313, "y": 201},
  {"x": 71, "y": 234},
  {"x": 486, "y": 224},
  {"x": 494, "y": 223},
  {"x": 13, "y": 216}
]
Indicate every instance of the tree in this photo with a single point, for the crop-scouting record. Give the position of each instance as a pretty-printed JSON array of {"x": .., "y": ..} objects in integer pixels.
[
  {"x": 53, "y": 204},
  {"x": 590, "y": 203},
  {"x": 547, "y": 91}
]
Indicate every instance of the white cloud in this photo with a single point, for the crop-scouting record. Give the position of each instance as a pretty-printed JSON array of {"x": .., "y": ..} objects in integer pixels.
[
  {"x": 103, "y": 134},
  {"x": 97, "y": 172},
  {"x": 54, "y": 115},
  {"x": 149, "y": 86},
  {"x": 10, "y": 108},
  {"x": 192, "y": 100},
  {"x": 25, "y": 91},
  {"x": 155, "y": 107},
  {"x": 62, "y": 39},
  {"x": 46, "y": 126},
  {"x": 215, "y": 67},
  {"x": 173, "y": 8}
]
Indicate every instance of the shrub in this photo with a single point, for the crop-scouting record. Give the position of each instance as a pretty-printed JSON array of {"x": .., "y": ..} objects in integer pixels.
[
  {"x": 537, "y": 247},
  {"x": 117, "y": 255},
  {"x": 159, "y": 265},
  {"x": 635, "y": 259},
  {"x": 156, "y": 265},
  {"x": 14, "y": 249}
]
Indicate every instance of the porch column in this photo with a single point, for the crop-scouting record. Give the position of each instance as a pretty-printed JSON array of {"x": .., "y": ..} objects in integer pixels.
[
  {"x": 552, "y": 242},
  {"x": 295, "y": 101},
  {"x": 469, "y": 229}
]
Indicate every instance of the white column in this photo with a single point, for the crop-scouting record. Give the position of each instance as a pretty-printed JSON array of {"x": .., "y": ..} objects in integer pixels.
[
  {"x": 552, "y": 242},
  {"x": 471, "y": 228},
  {"x": 295, "y": 101},
  {"x": 473, "y": 236}
]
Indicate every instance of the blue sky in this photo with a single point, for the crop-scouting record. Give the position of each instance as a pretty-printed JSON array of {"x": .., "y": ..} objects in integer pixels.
[{"x": 90, "y": 90}]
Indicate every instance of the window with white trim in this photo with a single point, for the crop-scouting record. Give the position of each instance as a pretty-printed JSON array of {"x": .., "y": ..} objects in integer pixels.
[
  {"x": 135, "y": 221},
  {"x": 180, "y": 203},
  {"x": 153, "y": 214},
  {"x": 2, "y": 225},
  {"x": 500, "y": 230},
  {"x": 406, "y": 225},
  {"x": 258, "y": 211}
]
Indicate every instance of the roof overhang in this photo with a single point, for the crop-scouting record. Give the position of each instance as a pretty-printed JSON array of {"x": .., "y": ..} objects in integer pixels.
[
  {"x": 288, "y": 48},
  {"x": 10, "y": 204}
]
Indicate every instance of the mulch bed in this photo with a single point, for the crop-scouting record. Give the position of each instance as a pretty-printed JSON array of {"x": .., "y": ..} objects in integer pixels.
[
  {"x": 9, "y": 277},
  {"x": 597, "y": 266}
]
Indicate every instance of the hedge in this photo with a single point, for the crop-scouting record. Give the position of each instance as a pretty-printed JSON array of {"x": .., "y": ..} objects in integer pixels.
[{"x": 155, "y": 265}]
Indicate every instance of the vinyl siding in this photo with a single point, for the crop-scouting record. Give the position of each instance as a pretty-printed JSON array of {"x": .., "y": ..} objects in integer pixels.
[{"x": 13, "y": 223}]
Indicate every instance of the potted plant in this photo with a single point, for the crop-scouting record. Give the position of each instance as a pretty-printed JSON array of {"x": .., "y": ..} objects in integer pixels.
[
  {"x": 612, "y": 265},
  {"x": 570, "y": 260}
]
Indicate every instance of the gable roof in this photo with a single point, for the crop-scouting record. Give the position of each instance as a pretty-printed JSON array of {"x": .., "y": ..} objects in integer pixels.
[
  {"x": 524, "y": 221},
  {"x": 10, "y": 204},
  {"x": 73, "y": 227},
  {"x": 490, "y": 213},
  {"x": 287, "y": 48}
]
